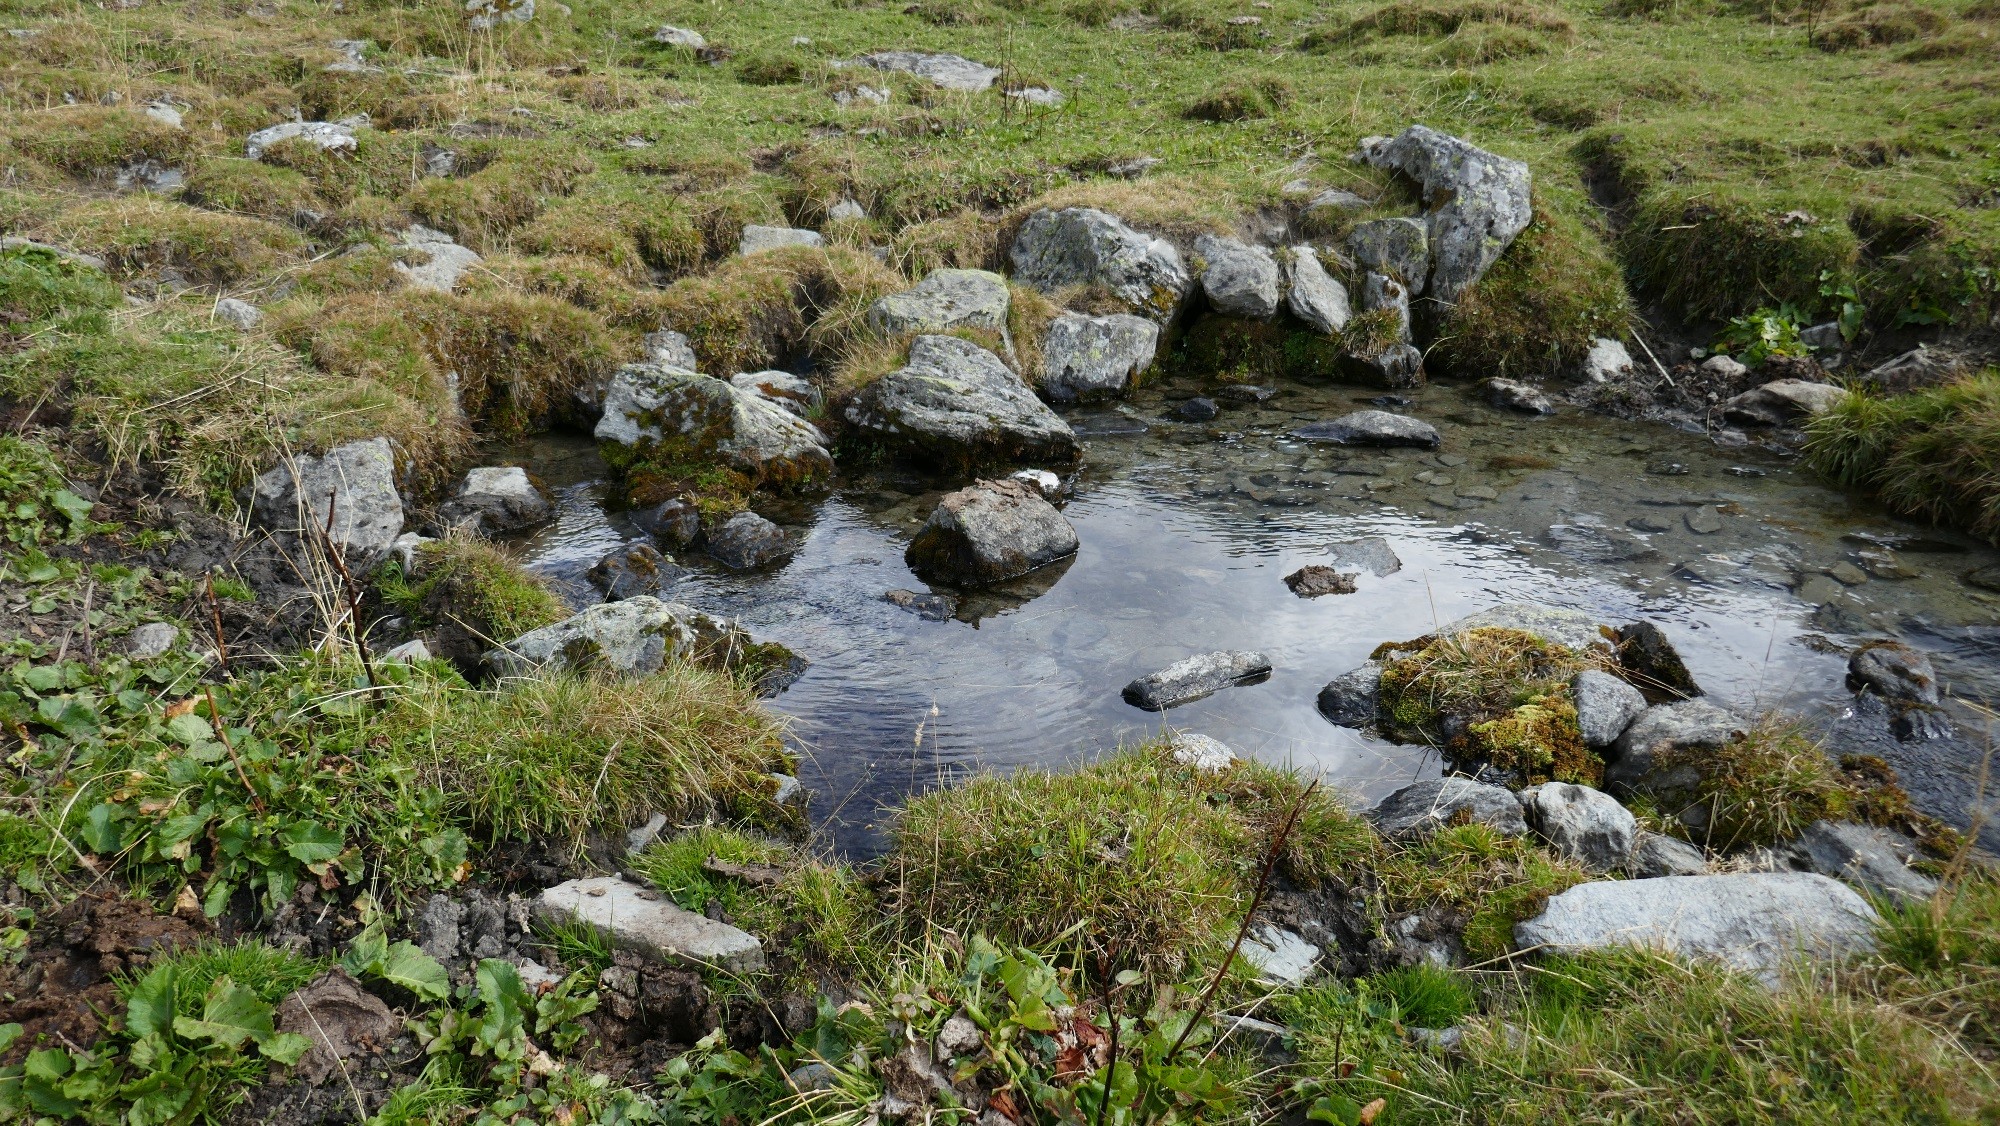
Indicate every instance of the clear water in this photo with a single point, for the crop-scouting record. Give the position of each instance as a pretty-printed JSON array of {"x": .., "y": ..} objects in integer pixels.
[{"x": 1187, "y": 532}]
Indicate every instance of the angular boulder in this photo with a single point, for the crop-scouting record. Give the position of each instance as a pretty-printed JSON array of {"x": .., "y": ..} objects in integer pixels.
[
  {"x": 1476, "y": 201},
  {"x": 1314, "y": 296},
  {"x": 238, "y": 314},
  {"x": 1372, "y": 428},
  {"x": 1085, "y": 246},
  {"x": 945, "y": 300},
  {"x": 1650, "y": 757},
  {"x": 1395, "y": 365},
  {"x": 1653, "y": 664},
  {"x": 1371, "y": 554},
  {"x": 1605, "y": 706},
  {"x": 1782, "y": 402},
  {"x": 1422, "y": 808},
  {"x": 435, "y": 261},
  {"x": 1606, "y": 361},
  {"x": 1753, "y": 922},
  {"x": 1656, "y": 855},
  {"x": 1873, "y": 859},
  {"x": 747, "y": 541},
  {"x": 1239, "y": 280},
  {"x": 670, "y": 349},
  {"x": 1186, "y": 681},
  {"x": 644, "y": 920},
  {"x": 951, "y": 72},
  {"x": 1573, "y": 628},
  {"x": 1584, "y": 824},
  {"x": 1893, "y": 671},
  {"x": 795, "y": 394},
  {"x": 495, "y": 499},
  {"x": 1351, "y": 699},
  {"x": 957, "y": 407},
  {"x": 1399, "y": 248},
  {"x": 1513, "y": 395},
  {"x": 990, "y": 532},
  {"x": 632, "y": 570},
  {"x": 647, "y": 404},
  {"x": 355, "y": 484},
  {"x": 1086, "y": 358},
  {"x": 636, "y": 636}
]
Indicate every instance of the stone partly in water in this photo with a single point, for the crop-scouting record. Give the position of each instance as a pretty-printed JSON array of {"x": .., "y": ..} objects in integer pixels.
[
  {"x": 648, "y": 405},
  {"x": 644, "y": 920},
  {"x": 1086, "y": 358},
  {"x": 990, "y": 532},
  {"x": 1351, "y": 699},
  {"x": 1372, "y": 428},
  {"x": 354, "y": 484},
  {"x": 634, "y": 637},
  {"x": 1592, "y": 543},
  {"x": 1197, "y": 409},
  {"x": 1370, "y": 554},
  {"x": 495, "y": 499},
  {"x": 1315, "y": 581},
  {"x": 1782, "y": 402},
  {"x": 1422, "y": 808},
  {"x": 1704, "y": 521},
  {"x": 946, "y": 300},
  {"x": 1239, "y": 280},
  {"x": 1893, "y": 671},
  {"x": 1583, "y": 824},
  {"x": 747, "y": 541},
  {"x": 1653, "y": 664},
  {"x": 632, "y": 570},
  {"x": 929, "y": 607},
  {"x": 1476, "y": 201},
  {"x": 675, "y": 522},
  {"x": 1313, "y": 295},
  {"x": 1184, "y": 682},
  {"x": 1754, "y": 922},
  {"x": 1873, "y": 859},
  {"x": 1605, "y": 706},
  {"x": 1085, "y": 246},
  {"x": 1513, "y": 395},
  {"x": 956, "y": 407},
  {"x": 1397, "y": 366}
]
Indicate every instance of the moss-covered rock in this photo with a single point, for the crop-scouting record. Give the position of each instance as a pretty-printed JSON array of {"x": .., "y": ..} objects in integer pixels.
[{"x": 1490, "y": 697}]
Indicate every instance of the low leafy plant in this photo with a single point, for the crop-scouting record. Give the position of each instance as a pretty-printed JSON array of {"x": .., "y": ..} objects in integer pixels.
[{"x": 1763, "y": 335}]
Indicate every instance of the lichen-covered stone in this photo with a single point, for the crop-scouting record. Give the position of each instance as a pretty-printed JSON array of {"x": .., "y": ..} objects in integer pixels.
[
  {"x": 1477, "y": 202},
  {"x": 355, "y": 484},
  {"x": 1240, "y": 280},
  {"x": 955, "y": 406},
  {"x": 946, "y": 300},
  {"x": 989, "y": 532},
  {"x": 1399, "y": 248},
  {"x": 1313, "y": 295},
  {"x": 1085, "y": 246},
  {"x": 650, "y": 405}
]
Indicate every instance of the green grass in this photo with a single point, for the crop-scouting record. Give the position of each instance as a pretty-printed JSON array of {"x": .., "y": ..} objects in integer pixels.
[
  {"x": 1932, "y": 454},
  {"x": 472, "y": 594}
]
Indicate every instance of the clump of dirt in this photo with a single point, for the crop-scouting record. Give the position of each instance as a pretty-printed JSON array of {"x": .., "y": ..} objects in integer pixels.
[{"x": 61, "y": 989}]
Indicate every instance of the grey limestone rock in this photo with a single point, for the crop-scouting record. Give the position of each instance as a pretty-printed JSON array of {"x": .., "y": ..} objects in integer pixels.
[
  {"x": 1399, "y": 248},
  {"x": 355, "y": 484},
  {"x": 1477, "y": 202},
  {"x": 1186, "y": 681},
  {"x": 1605, "y": 706},
  {"x": 1210, "y": 756},
  {"x": 1573, "y": 628},
  {"x": 1587, "y": 825},
  {"x": 1372, "y": 428},
  {"x": 1351, "y": 699},
  {"x": 1893, "y": 671},
  {"x": 1085, "y": 246},
  {"x": 1422, "y": 808},
  {"x": 1782, "y": 402},
  {"x": 680, "y": 37},
  {"x": 758, "y": 238},
  {"x": 945, "y": 300},
  {"x": 952, "y": 72},
  {"x": 238, "y": 314},
  {"x": 636, "y": 636},
  {"x": 1606, "y": 361},
  {"x": 670, "y": 349},
  {"x": 646, "y": 921},
  {"x": 1873, "y": 859},
  {"x": 794, "y": 393},
  {"x": 153, "y": 639},
  {"x": 1239, "y": 279},
  {"x": 1656, "y": 854},
  {"x": 956, "y": 406},
  {"x": 1380, "y": 292},
  {"x": 1313, "y": 295},
  {"x": 1649, "y": 757},
  {"x": 1279, "y": 955},
  {"x": 494, "y": 499},
  {"x": 650, "y": 403},
  {"x": 1754, "y": 922},
  {"x": 442, "y": 262},
  {"x": 1085, "y": 357},
  {"x": 329, "y": 135},
  {"x": 989, "y": 532},
  {"x": 636, "y": 568},
  {"x": 747, "y": 541},
  {"x": 1513, "y": 395}
]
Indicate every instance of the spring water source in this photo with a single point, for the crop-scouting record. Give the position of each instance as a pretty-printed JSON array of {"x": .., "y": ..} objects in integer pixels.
[{"x": 1188, "y": 530}]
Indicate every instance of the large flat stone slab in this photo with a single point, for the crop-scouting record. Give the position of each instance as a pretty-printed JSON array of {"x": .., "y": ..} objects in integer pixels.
[{"x": 641, "y": 919}]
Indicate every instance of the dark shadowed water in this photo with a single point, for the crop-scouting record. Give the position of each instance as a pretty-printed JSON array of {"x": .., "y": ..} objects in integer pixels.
[{"x": 1188, "y": 530}]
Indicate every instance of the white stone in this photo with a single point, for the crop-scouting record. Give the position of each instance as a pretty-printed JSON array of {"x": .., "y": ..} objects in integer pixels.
[
  {"x": 488, "y": 14},
  {"x": 355, "y": 484},
  {"x": 952, "y": 72},
  {"x": 1279, "y": 955},
  {"x": 1606, "y": 361},
  {"x": 1605, "y": 706},
  {"x": 328, "y": 135},
  {"x": 154, "y": 639},
  {"x": 1754, "y": 922},
  {"x": 1041, "y": 480},
  {"x": 646, "y": 921},
  {"x": 637, "y": 840},
  {"x": 238, "y": 313},
  {"x": 1313, "y": 295},
  {"x": 758, "y": 238},
  {"x": 405, "y": 550},
  {"x": 444, "y": 264},
  {"x": 680, "y": 37},
  {"x": 846, "y": 211},
  {"x": 1210, "y": 756},
  {"x": 408, "y": 653},
  {"x": 163, "y": 113}
]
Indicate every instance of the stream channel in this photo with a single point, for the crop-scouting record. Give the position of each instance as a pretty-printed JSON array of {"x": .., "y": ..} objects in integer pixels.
[{"x": 1188, "y": 530}]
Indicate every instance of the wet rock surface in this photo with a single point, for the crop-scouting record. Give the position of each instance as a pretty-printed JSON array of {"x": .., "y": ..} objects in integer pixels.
[
  {"x": 747, "y": 541},
  {"x": 1186, "y": 681},
  {"x": 633, "y": 570},
  {"x": 988, "y": 533},
  {"x": 957, "y": 407},
  {"x": 1373, "y": 428}
]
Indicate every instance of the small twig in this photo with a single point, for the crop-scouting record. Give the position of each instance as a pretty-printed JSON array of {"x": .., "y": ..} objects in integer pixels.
[
  {"x": 215, "y": 617},
  {"x": 1656, "y": 360},
  {"x": 1110, "y": 1014},
  {"x": 222, "y": 730},
  {"x": 89, "y": 642}
]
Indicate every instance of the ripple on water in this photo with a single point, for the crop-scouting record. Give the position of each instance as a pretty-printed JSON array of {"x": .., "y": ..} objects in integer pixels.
[{"x": 1177, "y": 559}]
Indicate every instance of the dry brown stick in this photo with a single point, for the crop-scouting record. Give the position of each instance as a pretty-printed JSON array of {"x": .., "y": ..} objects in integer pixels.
[
  {"x": 222, "y": 730},
  {"x": 215, "y": 617},
  {"x": 89, "y": 642},
  {"x": 348, "y": 589}
]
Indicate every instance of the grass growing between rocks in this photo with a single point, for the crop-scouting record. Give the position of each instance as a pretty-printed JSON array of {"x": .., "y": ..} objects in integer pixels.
[
  {"x": 472, "y": 594},
  {"x": 1932, "y": 454}
]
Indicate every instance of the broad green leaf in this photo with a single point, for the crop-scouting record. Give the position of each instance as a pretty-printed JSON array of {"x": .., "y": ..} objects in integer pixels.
[
  {"x": 101, "y": 831},
  {"x": 178, "y": 828},
  {"x": 285, "y": 1047},
  {"x": 150, "y": 1007},
  {"x": 505, "y": 1004},
  {"x": 8, "y": 1034},
  {"x": 217, "y": 899},
  {"x": 43, "y": 678},
  {"x": 405, "y": 965},
  {"x": 47, "y": 1063},
  {"x": 190, "y": 729},
  {"x": 309, "y": 842},
  {"x": 231, "y": 1015}
]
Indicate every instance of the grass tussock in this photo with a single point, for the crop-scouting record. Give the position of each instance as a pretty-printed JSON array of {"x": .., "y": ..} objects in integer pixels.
[
  {"x": 145, "y": 234},
  {"x": 1429, "y": 19},
  {"x": 562, "y": 757},
  {"x": 764, "y": 311},
  {"x": 1491, "y": 696},
  {"x": 470, "y": 596},
  {"x": 1881, "y": 25},
  {"x": 1132, "y": 858},
  {"x": 87, "y": 140},
  {"x": 1242, "y": 100},
  {"x": 1933, "y": 453},
  {"x": 508, "y": 192}
]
